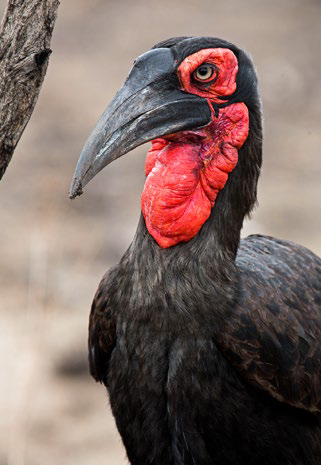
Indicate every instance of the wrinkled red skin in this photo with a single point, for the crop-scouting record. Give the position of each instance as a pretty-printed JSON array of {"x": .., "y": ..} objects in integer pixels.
[
  {"x": 226, "y": 62},
  {"x": 185, "y": 171}
]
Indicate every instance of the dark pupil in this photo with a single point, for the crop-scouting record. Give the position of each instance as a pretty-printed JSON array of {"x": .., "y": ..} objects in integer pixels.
[{"x": 203, "y": 70}]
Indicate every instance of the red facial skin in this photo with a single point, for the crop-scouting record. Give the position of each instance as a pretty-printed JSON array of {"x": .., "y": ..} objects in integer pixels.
[
  {"x": 185, "y": 171},
  {"x": 226, "y": 62}
]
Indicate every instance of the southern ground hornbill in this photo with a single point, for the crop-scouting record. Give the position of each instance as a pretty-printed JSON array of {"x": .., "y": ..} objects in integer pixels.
[{"x": 209, "y": 346}]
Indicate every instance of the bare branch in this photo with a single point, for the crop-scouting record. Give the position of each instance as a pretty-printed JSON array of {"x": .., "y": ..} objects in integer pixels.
[{"x": 25, "y": 36}]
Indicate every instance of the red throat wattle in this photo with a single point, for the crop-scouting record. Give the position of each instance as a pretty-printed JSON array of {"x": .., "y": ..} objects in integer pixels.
[{"x": 185, "y": 171}]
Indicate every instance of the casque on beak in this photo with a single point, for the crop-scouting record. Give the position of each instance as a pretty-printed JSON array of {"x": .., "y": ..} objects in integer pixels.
[{"x": 149, "y": 105}]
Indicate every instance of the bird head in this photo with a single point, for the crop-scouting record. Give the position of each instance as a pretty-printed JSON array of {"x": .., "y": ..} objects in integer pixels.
[{"x": 196, "y": 100}]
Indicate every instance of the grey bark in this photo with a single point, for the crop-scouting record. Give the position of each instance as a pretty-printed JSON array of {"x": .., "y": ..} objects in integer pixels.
[{"x": 25, "y": 35}]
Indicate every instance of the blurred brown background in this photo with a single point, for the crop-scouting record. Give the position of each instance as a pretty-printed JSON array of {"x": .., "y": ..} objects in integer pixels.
[{"x": 54, "y": 251}]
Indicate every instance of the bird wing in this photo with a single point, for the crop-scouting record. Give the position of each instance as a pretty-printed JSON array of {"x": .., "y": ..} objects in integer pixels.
[
  {"x": 273, "y": 336},
  {"x": 102, "y": 330}
]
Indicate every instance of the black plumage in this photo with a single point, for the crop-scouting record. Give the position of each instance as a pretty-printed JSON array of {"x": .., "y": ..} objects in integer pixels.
[{"x": 211, "y": 349}]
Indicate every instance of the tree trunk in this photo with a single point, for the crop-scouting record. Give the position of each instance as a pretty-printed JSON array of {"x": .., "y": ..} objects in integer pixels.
[{"x": 25, "y": 35}]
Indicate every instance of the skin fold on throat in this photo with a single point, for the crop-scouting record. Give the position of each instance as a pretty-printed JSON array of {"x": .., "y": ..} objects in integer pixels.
[{"x": 185, "y": 172}]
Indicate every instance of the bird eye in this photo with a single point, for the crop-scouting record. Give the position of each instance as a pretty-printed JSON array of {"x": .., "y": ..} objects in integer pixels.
[{"x": 205, "y": 72}]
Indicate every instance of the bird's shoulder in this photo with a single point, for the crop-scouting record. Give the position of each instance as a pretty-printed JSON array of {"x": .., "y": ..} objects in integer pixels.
[
  {"x": 102, "y": 327},
  {"x": 274, "y": 333}
]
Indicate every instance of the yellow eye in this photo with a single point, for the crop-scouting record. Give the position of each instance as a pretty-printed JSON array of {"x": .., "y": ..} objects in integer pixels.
[{"x": 205, "y": 72}]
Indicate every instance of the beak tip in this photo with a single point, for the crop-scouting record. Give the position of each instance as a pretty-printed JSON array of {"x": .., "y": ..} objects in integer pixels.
[{"x": 76, "y": 188}]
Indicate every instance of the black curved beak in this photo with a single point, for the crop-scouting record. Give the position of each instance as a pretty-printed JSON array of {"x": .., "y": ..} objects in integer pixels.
[{"x": 149, "y": 105}]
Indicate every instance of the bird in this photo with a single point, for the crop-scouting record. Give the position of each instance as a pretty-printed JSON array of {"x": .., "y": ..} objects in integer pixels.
[{"x": 209, "y": 345}]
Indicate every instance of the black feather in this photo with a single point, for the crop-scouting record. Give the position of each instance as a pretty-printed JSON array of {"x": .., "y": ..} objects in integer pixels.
[{"x": 210, "y": 349}]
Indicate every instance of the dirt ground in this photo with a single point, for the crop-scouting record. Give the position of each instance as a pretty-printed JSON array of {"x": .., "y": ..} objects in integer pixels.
[{"x": 54, "y": 251}]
